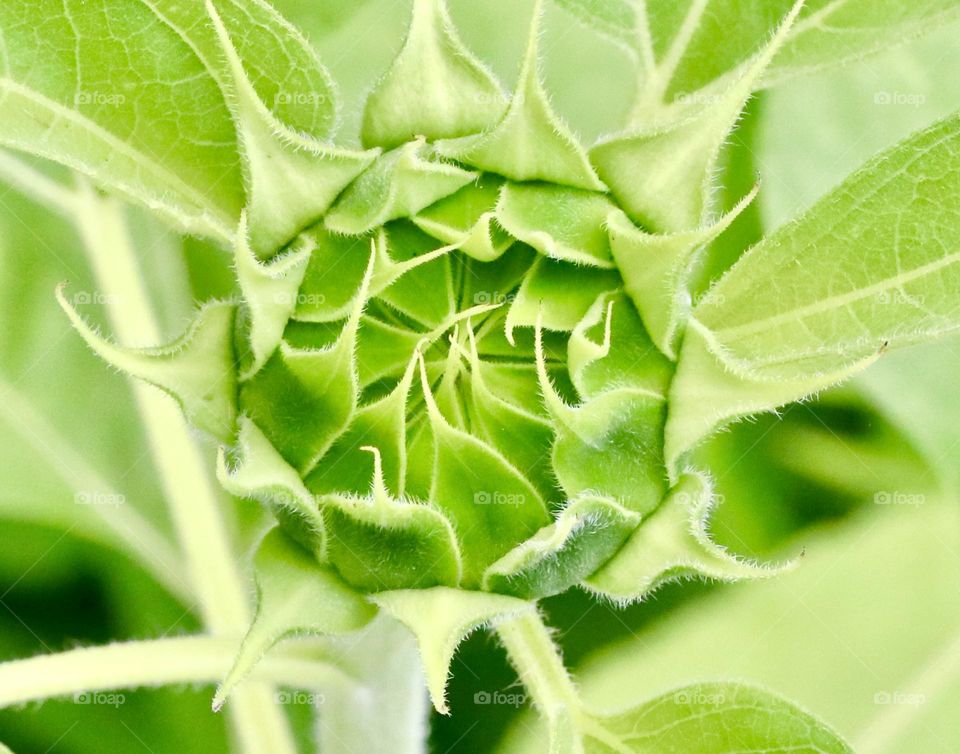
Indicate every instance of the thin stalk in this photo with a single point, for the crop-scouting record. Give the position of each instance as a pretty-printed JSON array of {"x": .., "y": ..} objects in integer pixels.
[
  {"x": 193, "y": 502},
  {"x": 538, "y": 662},
  {"x": 156, "y": 662}
]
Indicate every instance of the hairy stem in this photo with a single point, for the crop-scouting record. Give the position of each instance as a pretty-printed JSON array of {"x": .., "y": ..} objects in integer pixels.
[
  {"x": 193, "y": 502},
  {"x": 157, "y": 662},
  {"x": 538, "y": 662}
]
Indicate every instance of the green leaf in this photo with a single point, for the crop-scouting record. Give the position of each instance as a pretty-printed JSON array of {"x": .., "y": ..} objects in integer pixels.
[
  {"x": 560, "y": 293},
  {"x": 801, "y": 310},
  {"x": 530, "y": 143},
  {"x": 174, "y": 150},
  {"x": 610, "y": 445},
  {"x": 435, "y": 88},
  {"x": 866, "y": 585},
  {"x": 197, "y": 369},
  {"x": 86, "y": 110},
  {"x": 291, "y": 177},
  {"x": 831, "y": 32},
  {"x": 492, "y": 505},
  {"x": 672, "y": 542},
  {"x": 264, "y": 475},
  {"x": 296, "y": 596},
  {"x": 585, "y": 535},
  {"x": 615, "y": 18},
  {"x": 400, "y": 183},
  {"x": 713, "y": 718},
  {"x": 562, "y": 223},
  {"x": 656, "y": 269},
  {"x": 380, "y": 543},
  {"x": 467, "y": 219},
  {"x": 441, "y": 618},
  {"x": 304, "y": 398},
  {"x": 677, "y": 160}
]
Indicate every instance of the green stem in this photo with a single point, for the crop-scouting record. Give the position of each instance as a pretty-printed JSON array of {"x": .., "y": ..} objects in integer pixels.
[
  {"x": 193, "y": 501},
  {"x": 158, "y": 662},
  {"x": 538, "y": 662}
]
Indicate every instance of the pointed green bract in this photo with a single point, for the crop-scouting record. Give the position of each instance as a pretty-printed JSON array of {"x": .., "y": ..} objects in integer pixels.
[
  {"x": 672, "y": 543},
  {"x": 559, "y": 222},
  {"x": 530, "y": 143},
  {"x": 492, "y": 506},
  {"x": 584, "y": 537},
  {"x": 197, "y": 369},
  {"x": 467, "y": 218},
  {"x": 296, "y": 596},
  {"x": 261, "y": 473},
  {"x": 381, "y": 424},
  {"x": 655, "y": 269},
  {"x": 332, "y": 277},
  {"x": 435, "y": 88},
  {"x": 559, "y": 292},
  {"x": 270, "y": 291},
  {"x": 292, "y": 179},
  {"x": 610, "y": 445},
  {"x": 304, "y": 398},
  {"x": 610, "y": 348},
  {"x": 441, "y": 618},
  {"x": 399, "y": 183},
  {"x": 662, "y": 177},
  {"x": 803, "y": 309},
  {"x": 511, "y": 423},
  {"x": 382, "y": 543}
]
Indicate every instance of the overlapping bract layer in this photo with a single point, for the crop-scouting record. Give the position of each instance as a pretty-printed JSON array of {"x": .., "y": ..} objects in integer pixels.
[{"x": 447, "y": 378}]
